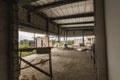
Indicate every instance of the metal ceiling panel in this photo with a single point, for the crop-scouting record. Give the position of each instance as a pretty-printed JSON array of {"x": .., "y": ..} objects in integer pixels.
[
  {"x": 78, "y": 25},
  {"x": 72, "y": 20},
  {"x": 70, "y": 9},
  {"x": 42, "y": 2},
  {"x": 59, "y": 12}
]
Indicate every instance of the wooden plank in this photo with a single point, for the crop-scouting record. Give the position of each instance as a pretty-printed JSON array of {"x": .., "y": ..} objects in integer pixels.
[
  {"x": 35, "y": 64},
  {"x": 26, "y": 49},
  {"x": 43, "y": 50}
]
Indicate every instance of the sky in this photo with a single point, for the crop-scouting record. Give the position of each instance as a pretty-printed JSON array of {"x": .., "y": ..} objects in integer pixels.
[
  {"x": 30, "y": 36},
  {"x": 27, "y": 35}
]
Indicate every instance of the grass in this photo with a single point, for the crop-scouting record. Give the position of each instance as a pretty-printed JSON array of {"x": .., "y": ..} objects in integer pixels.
[{"x": 23, "y": 54}]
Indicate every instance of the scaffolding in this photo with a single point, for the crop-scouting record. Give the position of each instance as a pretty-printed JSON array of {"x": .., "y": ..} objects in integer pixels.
[{"x": 41, "y": 50}]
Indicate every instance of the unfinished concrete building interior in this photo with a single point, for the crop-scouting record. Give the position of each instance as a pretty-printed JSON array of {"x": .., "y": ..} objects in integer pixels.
[{"x": 70, "y": 40}]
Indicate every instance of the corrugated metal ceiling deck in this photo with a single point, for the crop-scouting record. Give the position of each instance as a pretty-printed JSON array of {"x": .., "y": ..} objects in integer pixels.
[
  {"x": 72, "y": 20},
  {"x": 42, "y": 2},
  {"x": 70, "y": 9},
  {"x": 79, "y": 7}
]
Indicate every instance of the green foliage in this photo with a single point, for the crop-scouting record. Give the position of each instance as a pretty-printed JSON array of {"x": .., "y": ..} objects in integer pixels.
[
  {"x": 62, "y": 43},
  {"x": 70, "y": 42},
  {"x": 23, "y": 54},
  {"x": 25, "y": 44}
]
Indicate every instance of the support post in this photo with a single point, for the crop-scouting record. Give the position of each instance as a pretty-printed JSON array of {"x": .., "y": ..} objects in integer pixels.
[
  {"x": 35, "y": 41},
  {"x": 50, "y": 66},
  {"x": 58, "y": 36},
  {"x": 47, "y": 32},
  {"x": 9, "y": 62},
  {"x": 83, "y": 39},
  {"x": 66, "y": 35},
  {"x": 100, "y": 44}
]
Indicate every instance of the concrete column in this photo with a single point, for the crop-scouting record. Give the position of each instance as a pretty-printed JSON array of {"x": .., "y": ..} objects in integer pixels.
[
  {"x": 9, "y": 68},
  {"x": 100, "y": 41},
  {"x": 35, "y": 40},
  {"x": 47, "y": 32},
  {"x": 83, "y": 37},
  {"x": 58, "y": 36},
  {"x": 64, "y": 35}
]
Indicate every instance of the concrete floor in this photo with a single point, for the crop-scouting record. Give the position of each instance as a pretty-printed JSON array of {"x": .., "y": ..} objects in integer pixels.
[{"x": 67, "y": 65}]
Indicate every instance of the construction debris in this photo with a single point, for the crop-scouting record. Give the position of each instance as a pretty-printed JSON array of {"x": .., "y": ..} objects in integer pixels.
[
  {"x": 24, "y": 77},
  {"x": 33, "y": 77}
]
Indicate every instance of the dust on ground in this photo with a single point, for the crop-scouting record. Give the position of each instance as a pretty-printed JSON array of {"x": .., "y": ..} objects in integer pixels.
[{"x": 66, "y": 64}]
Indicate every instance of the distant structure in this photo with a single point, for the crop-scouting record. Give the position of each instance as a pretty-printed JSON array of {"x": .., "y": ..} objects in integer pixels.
[
  {"x": 32, "y": 43},
  {"x": 38, "y": 42},
  {"x": 77, "y": 42},
  {"x": 88, "y": 41},
  {"x": 43, "y": 42}
]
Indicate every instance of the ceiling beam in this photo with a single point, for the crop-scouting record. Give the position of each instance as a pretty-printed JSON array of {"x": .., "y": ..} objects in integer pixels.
[
  {"x": 80, "y": 27},
  {"x": 87, "y": 22},
  {"x": 54, "y": 4},
  {"x": 90, "y": 14},
  {"x": 32, "y": 26},
  {"x": 81, "y": 30}
]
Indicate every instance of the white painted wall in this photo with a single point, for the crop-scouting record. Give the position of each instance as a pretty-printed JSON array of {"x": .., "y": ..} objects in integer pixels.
[{"x": 112, "y": 15}]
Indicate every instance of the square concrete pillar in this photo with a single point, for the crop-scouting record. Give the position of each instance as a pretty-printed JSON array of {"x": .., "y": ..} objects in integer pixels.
[
  {"x": 8, "y": 40},
  {"x": 100, "y": 43}
]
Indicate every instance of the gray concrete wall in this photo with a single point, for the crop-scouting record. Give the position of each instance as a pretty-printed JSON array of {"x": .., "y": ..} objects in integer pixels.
[
  {"x": 38, "y": 21},
  {"x": 53, "y": 28},
  {"x": 3, "y": 41},
  {"x": 100, "y": 34},
  {"x": 22, "y": 14},
  {"x": 8, "y": 41},
  {"x": 113, "y": 37}
]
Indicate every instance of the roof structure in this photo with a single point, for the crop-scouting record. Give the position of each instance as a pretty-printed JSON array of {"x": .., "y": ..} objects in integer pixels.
[{"x": 65, "y": 13}]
